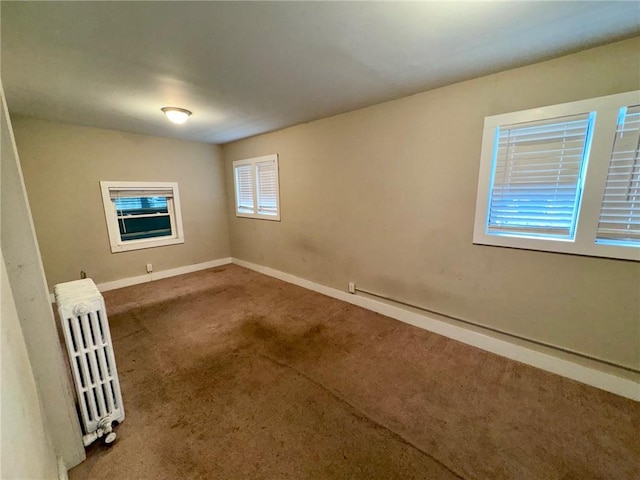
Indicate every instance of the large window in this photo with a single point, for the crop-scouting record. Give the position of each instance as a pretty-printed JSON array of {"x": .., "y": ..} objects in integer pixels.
[
  {"x": 564, "y": 178},
  {"x": 257, "y": 192},
  {"x": 142, "y": 214}
]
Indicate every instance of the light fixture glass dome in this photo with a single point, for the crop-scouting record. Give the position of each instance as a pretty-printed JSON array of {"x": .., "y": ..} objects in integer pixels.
[{"x": 176, "y": 115}]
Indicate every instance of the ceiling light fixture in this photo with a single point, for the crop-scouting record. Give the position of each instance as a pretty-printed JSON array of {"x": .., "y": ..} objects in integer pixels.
[{"x": 176, "y": 115}]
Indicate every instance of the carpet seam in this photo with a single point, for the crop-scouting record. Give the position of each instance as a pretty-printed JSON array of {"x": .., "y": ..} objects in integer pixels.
[{"x": 372, "y": 420}]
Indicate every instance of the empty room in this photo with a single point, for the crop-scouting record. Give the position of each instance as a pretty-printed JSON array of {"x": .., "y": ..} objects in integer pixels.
[{"x": 320, "y": 240}]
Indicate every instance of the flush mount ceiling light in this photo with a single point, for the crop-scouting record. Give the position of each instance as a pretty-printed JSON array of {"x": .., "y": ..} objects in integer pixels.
[{"x": 175, "y": 114}]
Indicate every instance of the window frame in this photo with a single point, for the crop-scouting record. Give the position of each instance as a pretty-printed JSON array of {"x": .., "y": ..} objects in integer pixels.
[
  {"x": 111, "y": 217},
  {"x": 594, "y": 177},
  {"x": 253, "y": 162}
]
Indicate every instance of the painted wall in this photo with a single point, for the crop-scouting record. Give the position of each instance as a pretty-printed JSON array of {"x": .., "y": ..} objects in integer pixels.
[
  {"x": 29, "y": 291},
  {"x": 63, "y": 165},
  {"x": 385, "y": 196},
  {"x": 26, "y": 450}
]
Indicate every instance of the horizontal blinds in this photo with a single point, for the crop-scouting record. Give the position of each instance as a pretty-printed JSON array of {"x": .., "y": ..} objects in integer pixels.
[
  {"x": 244, "y": 188},
  {"x": 267, "y": 187},
  {"x": 123, "y": 192},
  {"x": 620, "y": 214},
  {"x": 125, "y": 205},
  {"x": 536, "y": 178}
]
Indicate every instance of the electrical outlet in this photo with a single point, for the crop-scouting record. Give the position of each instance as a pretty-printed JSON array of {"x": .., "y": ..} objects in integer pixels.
[
  {"x": 83, "y": 274},
  {"x": 149, "y": 268},
  {"x": 352, "y": 287}
]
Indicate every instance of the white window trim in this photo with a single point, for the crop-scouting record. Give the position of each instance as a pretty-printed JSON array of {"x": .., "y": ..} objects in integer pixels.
[
  {"x": 607, "y": 110},
  {"x": 117, "y": 245},
  {"x": 253, "y": 162}
]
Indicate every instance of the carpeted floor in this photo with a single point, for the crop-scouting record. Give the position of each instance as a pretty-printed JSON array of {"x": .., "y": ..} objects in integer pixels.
[{"x": 229, "y": 374}]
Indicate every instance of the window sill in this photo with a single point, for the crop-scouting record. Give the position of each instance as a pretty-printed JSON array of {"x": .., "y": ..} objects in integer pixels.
[
  {"x": 141, "y": 244},
  {"x": 273, "y": 218},
  {"x": 586, "y": 247}
]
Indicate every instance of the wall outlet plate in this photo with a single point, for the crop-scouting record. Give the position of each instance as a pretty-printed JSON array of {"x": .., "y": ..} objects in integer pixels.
[
  {"x": 149, "y": 268},
  {"x": 352, "y": 287}
]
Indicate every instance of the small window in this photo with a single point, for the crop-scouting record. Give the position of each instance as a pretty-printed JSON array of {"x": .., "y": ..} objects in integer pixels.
[
  {"x": 257, "y": 190},
  {"x": 563, "y": 178},
  {"x": 142, "y": 214}
]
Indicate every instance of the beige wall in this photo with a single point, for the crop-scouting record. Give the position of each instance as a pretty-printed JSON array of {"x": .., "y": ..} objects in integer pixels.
[
  {"x": 63, "y": 165},
  {"x": 26, "y": 449},
  {"x": 386, "y": 196},
  {"x": 29, "y": 292}
]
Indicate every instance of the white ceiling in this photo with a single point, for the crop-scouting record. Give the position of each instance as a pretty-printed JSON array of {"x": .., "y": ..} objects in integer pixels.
[{"x": 245, "y": 68}]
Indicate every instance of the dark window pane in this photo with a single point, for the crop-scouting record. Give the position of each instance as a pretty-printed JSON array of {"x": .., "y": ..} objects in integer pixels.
[{"x": 132, "y": 228}]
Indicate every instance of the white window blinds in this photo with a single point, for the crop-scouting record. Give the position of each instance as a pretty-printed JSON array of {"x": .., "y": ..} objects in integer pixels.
[
  {"x": 267, "y": 187},
  {"x": 244, "y": 188},
  {"x": 536, "y": 181},
  {"x": 620, "y": 214},
  {"x": 257, "y": 187}
]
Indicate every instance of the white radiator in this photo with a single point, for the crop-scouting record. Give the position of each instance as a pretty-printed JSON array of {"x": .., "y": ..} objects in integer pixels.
[{"x": 86, "y": 333}]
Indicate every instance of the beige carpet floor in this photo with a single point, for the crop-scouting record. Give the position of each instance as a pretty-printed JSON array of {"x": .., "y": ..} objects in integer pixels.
[{"x": 229, "y": 374}]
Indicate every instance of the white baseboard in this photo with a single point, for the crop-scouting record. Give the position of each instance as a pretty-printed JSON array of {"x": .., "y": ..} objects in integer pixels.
[
  {"x": 581, "y": 373},
  {"x": 172, "y": 272},
  {"x": 150, "y": 277}
]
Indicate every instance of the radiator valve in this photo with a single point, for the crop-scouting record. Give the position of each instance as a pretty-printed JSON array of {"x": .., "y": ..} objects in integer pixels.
[{"x": 105, "y": 428}]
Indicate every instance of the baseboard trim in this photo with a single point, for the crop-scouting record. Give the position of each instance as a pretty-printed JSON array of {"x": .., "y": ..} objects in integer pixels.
[
  {"x": 150, "y": 277},
  {"x": 581, "y": 373},
  {"x": 172, "y": 272}
]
